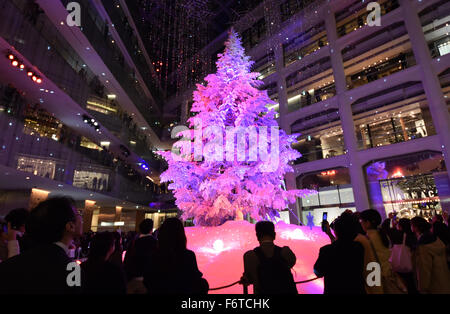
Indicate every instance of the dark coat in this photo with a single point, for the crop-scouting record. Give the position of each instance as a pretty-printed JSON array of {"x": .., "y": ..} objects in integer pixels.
[
  {"x": 42, "y": 270},
  {"x": 341, "y": 264},
  {"x": 102, "y": 278},
  {"x": 178, "y": 274}
]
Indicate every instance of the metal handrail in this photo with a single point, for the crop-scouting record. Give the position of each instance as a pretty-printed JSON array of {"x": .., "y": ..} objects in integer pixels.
[{"x": 245, "y": 286}]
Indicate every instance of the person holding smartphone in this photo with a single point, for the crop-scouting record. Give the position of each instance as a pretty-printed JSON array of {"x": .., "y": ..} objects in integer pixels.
[
  {"x": 326, "y": 227},
  {"x": 15, "y": 220}
]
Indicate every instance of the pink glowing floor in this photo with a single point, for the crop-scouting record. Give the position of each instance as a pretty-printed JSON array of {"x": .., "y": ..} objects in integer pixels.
[{"x": 220, "y": 251}]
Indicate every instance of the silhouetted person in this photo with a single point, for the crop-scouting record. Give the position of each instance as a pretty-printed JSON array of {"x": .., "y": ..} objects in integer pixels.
[
  {"x": 51, "y": 227},
  {"x": 268, "y": 267},
  {"x": 173, "y": 268},
  {"x": 16, "y": 220},
  {"x": 429, "y": 259},
  {"x": 116, "y": 256},
  {"x": 402, "y": 235},
  {"x": 100, "y": 276},
  {"x": 140, "y": 255},
  {"x": 342, "y": 262}
]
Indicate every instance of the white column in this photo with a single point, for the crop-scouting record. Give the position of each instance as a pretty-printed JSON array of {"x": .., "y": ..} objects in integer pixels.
[
  {"x": 346, "y": 115},
  {"x": 282, "y": 92},
  {"x": 430, "y": 80}
]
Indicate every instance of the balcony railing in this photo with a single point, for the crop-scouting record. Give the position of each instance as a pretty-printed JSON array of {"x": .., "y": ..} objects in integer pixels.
[
  {"x": 114, "y": 60},
  {"x": 66, "y": 155}
]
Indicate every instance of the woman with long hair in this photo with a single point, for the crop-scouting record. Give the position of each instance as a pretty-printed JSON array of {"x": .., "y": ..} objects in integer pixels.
[
  {"x": 173, "y": 269},
  {"x": 98, "y": 275}
]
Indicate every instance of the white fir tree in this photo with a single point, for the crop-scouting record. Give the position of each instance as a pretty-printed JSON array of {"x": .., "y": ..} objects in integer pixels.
[{"x": 212, "y": 180}]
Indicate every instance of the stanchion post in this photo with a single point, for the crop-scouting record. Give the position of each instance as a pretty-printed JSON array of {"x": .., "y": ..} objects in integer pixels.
[{"x": 245, "y": 289}]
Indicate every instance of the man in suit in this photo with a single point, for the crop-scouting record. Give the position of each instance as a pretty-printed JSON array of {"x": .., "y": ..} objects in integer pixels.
[
  {"x": 42, "y": 269},
  {"x": 139, "y": 256}
]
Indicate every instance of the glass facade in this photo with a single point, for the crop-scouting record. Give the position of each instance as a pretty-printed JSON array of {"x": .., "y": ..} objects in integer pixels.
[
  {"x": 406, "y": 123},
  {"x": 334, "y": 194},
  {"x": 411, "y": 185},
  {"x": 320, "y": 145}
]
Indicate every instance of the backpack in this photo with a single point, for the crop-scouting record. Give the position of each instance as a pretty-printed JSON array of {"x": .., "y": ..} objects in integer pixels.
[{"x": 274, "y": 275}]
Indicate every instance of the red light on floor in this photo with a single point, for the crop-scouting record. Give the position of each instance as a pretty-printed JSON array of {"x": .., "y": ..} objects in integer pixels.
[{"x": 15, "y": 63}]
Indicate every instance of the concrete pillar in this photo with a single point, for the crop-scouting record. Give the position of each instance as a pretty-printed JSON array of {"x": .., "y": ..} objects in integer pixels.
[
  {"x": 346, "y": 115},
  {"x": 282, "y": 90},
  {"x": 294, "y": 212},
  {"x": 430, "y": 81},
  {"x": 10, "y": 200},
  {"x": 184, "y": 112},
  {"x": 69, "y": 167},
  {"x": 88, "y": 212},
  {"x": 140, "y": 216},
  {"x": 118, "y": 215}
]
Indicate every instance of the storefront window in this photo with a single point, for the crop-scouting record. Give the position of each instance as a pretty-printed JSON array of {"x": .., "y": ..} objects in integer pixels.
[
  {"x": 393, "y": 126},
  {"x": 348, "y": 24},
  {"x": 38, "y": 167},
  {"x": 301, "y": 98},
  {"x": 334, "y": 195},
  {"x": 380, "y": 69},
  {"x": 325, "y": 144},
  {"x": 91, "y": 180},
  {"x": 38, "y": 122},
  {"x": 414, "y": 185},
  {"x": 87, "y": 143}
]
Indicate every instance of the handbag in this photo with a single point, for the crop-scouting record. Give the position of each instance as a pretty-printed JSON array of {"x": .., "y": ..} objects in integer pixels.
[
  {"x": 401, "y": 258},
  {"x": 392, "y": 284}
]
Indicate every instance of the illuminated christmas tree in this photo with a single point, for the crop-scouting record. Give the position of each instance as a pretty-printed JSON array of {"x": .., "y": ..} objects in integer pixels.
[{"x": 232, "y": 161}]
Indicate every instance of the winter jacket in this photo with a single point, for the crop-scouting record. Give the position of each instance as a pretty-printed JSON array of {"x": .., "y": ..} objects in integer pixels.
[{"x": 430, "y": 265}]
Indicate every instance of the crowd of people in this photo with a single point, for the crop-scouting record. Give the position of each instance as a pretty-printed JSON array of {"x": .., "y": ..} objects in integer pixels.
[
  {"x": 368, "y": 256},
  {"x": 365, "y": 256}
]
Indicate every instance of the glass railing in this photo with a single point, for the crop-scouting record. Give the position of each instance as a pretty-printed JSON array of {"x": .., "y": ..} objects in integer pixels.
[
  {"x": 290, "y": 7},
  {"x": 58, "y": 61},
  {"x": 440, "y": 47},
  {"x": 48, "y": 53},
  {"x": 131, "y": 43},
  {"x": 319, "y": 67},
  {"x": 266, "y": 70},
  {"x": 111, "y": 55},
  {"x": 51, "y": 157},
  {"x": 301, "y": 99},
  {"x": 381, "y": 69},
  {"x": 396, "y": 129},
  {"x": 291, "y": 55},
  {"x": 361, "y": 20},
  {"x": 316, "y": 149}
]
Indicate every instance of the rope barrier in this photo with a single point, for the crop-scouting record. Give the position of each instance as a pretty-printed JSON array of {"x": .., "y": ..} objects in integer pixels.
[
  {"x": 305, "y": 281},
  {"x": 238, "y": 282},
  {"x": 224, "y": 287}
]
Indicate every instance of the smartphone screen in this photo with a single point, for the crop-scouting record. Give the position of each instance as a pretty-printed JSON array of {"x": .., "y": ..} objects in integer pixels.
[{"x": 324, "y": 218}]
